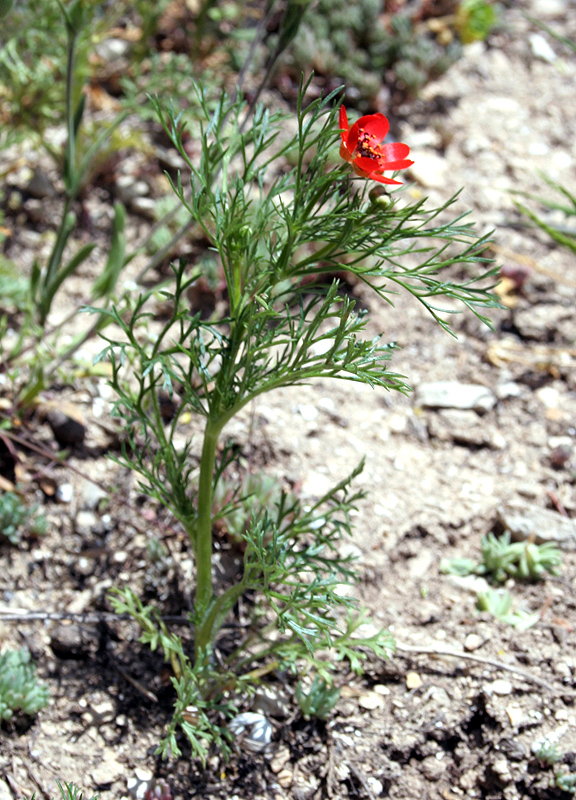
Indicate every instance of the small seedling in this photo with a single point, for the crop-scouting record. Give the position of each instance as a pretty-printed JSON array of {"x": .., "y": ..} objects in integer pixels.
[
  {"x": 566, "y": 782},
  {"x": 14, "y": 516},
  {"x": 320, "y": 699},
  {"x": 69, "y": 791},
  {"x": 19, "y": 689},
  {"x": 502, "y": 559},
  {"x": 546, "y": 752},
  {"x": 499, "y": 604}
]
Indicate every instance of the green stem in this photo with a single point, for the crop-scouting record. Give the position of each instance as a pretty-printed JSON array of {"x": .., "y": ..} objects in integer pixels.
[
  {"x": 71, "y": 144},
  {"x": 204, "y": 536}
]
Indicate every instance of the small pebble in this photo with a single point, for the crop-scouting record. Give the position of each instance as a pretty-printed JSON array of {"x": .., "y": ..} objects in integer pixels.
[
  {"x": 65, "y": 493},
  {"x": 501, "y": 769},
  {"x": 371, "y": 701},
  {"x": 280, "y": 759},
  {"x": 285, "y": 778},
  {"x": 308, "y": 412},
  {"x": 472, "y": 642},
  {"x": 499, "y": 687},
  {"x": 515, "y": 715},
  {"x": 541, "y": 49},
  {"x": 562, "y": 669},
  {"x": 413, "y": 680}
]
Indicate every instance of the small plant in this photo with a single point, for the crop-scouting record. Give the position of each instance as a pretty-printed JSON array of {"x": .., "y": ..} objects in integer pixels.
[
  {"x": 566, "y": 782},
  {"x": 68, "y": 791},
  {"x": 15, "y": 516},
  {"x": 475, "y": 19},
  {"x": 19, "y": 689},
  {"x": 499, "y": 603},
  {"x": 546, "y": 752},
  {"x": 319, "y": 700},
  {"x": 502, "y": 559},
  {"x": 280, "y": 234}
]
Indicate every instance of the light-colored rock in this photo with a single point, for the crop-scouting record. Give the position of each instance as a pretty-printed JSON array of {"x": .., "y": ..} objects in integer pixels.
[
  {"x": 5, "y": 793},
  {"x": 112, "y": 49},
  {"x": 509, "y": 389},
  {"x": 145, "y": 206},
  {"x": 65, "y": 493},
  {"x": 500, "y": 687},
  {"x": 432, "y": 768},
  {"x": 280, "y": 759},
  {"x": 429, "y": 169},
  {"x": 90, "y": 495},
  {"x": 515, "y": 715},
  {"x": 541, "y": 48},
  {"x": 413, "y": 680},
  {"x": 548, "y": 396},
  {"x": 473, "y": 642},
  {"x": 420, "y": 564},
  {"x": 85, "y": 522},
  {"x": 548, "y": 9},
  {"x": 464, "y": 427},
  {"x": 371, "y": 701},
  {"x": 469, "y": 583},
  {"x": 285, "y": 778},
  {"x": 501, "y": 769},
  {"x": 315, "y": 484},
  {"x": 451, "y": 394},
  {"x": 129, "y": 188},
  {"x": 107, "y": 771},
  {"x": 308, "y": 412},
  {"x": 525, "y": 521}
]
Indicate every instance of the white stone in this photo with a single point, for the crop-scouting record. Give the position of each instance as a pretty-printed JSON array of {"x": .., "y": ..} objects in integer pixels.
[
  {"x": 327, "y": 404},
  {"x": 500, "y": 687},
  {"x": 548, "y": 9},
  {"x": 472, "y": 642},
  {"x": 451, "y": 394},
  {"x": 308, "y": 412},
  {"x": 548, "y": 396},
  {"x": 111, "y": 49},
  {"x": 65, "y": 493},
  {"x": 541, "y": 48}
]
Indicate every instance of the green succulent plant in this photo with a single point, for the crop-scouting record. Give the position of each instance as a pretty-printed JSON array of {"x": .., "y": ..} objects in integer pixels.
[
  {"x": 502, "y": 558},
  {"x": 14, "y": 516},
  {"x": 19, "y": 689}
]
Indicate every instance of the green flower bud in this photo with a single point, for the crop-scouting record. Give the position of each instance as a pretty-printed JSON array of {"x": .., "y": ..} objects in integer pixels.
[{"x": 380, "y": 198}]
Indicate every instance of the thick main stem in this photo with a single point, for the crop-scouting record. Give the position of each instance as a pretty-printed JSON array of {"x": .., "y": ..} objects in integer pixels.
[{"x": 204, "y": 536}]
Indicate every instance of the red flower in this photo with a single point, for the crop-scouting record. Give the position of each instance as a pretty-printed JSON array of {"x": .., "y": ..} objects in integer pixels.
[{"x": 363, "y": 147}]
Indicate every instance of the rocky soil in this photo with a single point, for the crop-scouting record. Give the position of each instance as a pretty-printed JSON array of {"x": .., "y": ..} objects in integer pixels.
[{"x": 485, "y": 442}]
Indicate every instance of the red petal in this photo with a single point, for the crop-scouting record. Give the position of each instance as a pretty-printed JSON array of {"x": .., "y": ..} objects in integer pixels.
[
  {"x": 345, "y": 153},
  {"x": 394, "y": 151},
  {"x": 375, "y": 124},
  {"x": 368, "y": 164},
  {"x": 374, "y": 176},
  {"x": 394, "y": 165},
  {"x": 353, "y": 137}
]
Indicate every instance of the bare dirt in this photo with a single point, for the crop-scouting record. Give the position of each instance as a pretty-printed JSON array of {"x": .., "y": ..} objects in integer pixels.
[{"x": 419, "y": 725}]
